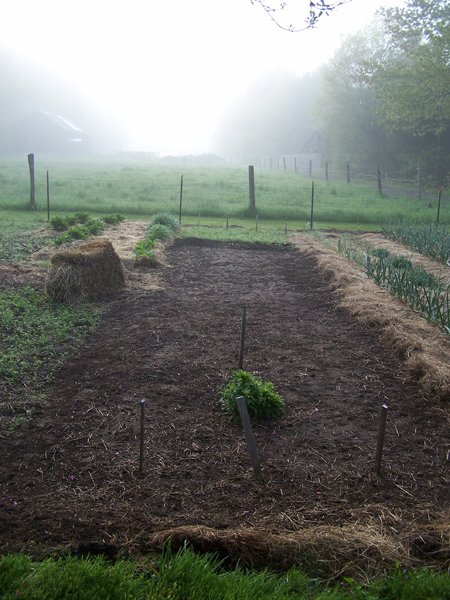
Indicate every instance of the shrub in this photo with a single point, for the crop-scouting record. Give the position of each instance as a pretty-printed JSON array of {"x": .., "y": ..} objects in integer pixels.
[
  {"x": 113, "y": 219},
  {"x": 81, "y": 217},
  {"x": 158, "y": 232},
  {"x": 145, "y": 249},
  {"x": 168, "y": 220},
  {"x": 58, "y": 223},
  {"x": 263, "y": 401},
  {"x": 95, "y": 226}
]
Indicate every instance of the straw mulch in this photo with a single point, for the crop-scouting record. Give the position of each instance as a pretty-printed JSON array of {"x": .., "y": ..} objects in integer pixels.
[
  {"x": 84, "y": 271},
  {"x": 327, "y": 551},
  {"x": 422, "y": 348}
]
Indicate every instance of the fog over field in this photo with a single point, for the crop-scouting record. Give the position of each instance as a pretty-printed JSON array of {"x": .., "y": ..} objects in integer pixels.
[{"x": 170, "y": 77}]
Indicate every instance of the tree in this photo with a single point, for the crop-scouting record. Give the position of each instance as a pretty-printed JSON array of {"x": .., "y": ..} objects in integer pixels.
[
  {"x": 387, "y": 92},
  {"x": 413, "y": 86},
  {"x": 316, "y": 9}
]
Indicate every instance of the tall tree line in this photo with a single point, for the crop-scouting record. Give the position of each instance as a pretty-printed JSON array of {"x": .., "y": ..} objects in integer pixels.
[{"x": 386, "y": 94}]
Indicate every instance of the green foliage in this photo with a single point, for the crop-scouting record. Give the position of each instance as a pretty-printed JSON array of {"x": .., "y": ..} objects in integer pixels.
[
  {"x": 58, "y": 223},
  {"x": 427, "y": 239},
  {"x": 95, "y": 226},
  {"x": 189, "y": 576},
  {"x": 81, "y": 232},
  {"x": 34, "y": 334},
  {"x": 145, "y": 249},
  {"x": 158, "y": 232},
  {"x": 263, "y": 401},
  {"x": 418, "y": 585},
  {"x": 410, "y": 284},
  {"x": 274, "y": 237},
  {"x": 166, "y": 219},
  {"x": 81, "y": 217},
  {"x": 114, "y": 219}
]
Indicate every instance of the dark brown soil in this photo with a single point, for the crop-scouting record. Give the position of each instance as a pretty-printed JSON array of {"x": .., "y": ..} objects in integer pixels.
[{"x": 71, "y": 475}]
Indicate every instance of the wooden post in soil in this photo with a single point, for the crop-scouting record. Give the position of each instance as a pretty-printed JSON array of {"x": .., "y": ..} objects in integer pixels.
[
  {"x": 32, "y": 182},
  {"x": 141, "y": 439},
  {"x": 181, "y": 198},
  {"x": 251, "y": 191},
  {"x": 242, "y": 339},
  {"x": 380, "y": 438},
  {"x": 248, "y": 432}
]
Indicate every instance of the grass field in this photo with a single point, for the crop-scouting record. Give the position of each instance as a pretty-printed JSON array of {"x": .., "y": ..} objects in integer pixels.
[{"x": 140, "y": 188}]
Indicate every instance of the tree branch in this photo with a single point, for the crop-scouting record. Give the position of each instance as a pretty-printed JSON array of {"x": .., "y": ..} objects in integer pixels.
[{"x": 317, "y": 9}]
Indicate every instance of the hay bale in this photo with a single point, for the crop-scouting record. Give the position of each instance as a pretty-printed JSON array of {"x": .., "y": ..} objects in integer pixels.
[{"x": 84, "y": 271}]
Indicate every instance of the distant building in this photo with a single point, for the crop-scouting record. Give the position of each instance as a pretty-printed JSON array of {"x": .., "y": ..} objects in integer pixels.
[{"x": 47, "y": 133}]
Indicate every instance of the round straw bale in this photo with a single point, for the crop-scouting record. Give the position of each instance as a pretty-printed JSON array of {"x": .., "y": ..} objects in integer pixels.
[{"x": 84, "y": 271}]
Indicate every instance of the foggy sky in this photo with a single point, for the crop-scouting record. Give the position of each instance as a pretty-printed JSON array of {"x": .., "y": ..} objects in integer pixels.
[{"x": 168, "y": 71}]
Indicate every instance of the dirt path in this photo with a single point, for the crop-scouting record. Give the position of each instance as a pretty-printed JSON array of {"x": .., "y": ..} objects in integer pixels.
[{"x": 71, "y": 475}]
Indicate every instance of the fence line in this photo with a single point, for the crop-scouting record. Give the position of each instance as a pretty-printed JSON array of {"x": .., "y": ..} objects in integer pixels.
[{"x": 225, "y": 193}]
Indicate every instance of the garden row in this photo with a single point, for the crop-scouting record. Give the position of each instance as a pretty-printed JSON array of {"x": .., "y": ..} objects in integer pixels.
[{"x": 411, "y": 284}]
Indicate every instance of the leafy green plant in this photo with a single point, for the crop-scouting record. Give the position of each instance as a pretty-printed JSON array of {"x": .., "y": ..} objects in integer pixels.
[
  {"x": 95, "y": 226},
  {"x": 114, "y": 219},
  {"x": 145, "y": 252},
  {"x": 58, "y": 223},
  {"x": 82, "y": 217},
  {"x": 167, "y": 220},
  {"x": 158, "y": 232},
  {"x": 263, "y": 401}
]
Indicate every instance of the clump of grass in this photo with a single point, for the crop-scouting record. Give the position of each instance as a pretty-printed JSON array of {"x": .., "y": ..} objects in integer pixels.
[
  {"x": 168, "y": 220},
  {"x": 263, "y": 401},
  {"x": 113, "y": 219},
  {"x": 145, "y": 252},
  {"x": 159, "y": 232},
  {"x": 81, "y": 232}
]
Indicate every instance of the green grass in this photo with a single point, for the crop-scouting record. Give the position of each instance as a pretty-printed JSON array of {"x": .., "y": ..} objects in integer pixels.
[
  {"x": 139, "y": 188},
  {"x": 188, "y": 576},
  {"x": 36, "y": 336},
  {"x": 33, "y": 333},
  {"x": 238, "y": 234}
]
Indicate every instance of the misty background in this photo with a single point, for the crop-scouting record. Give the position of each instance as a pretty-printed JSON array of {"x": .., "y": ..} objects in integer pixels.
[{"x": 221, "y": 78}]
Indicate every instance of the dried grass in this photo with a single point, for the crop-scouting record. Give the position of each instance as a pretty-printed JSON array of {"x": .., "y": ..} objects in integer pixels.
[
  {"x": 327, "y": 551},
  {"x": 84, "y": 271}
]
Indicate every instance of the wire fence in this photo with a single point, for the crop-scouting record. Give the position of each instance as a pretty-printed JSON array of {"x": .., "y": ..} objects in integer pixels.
[{"x": 284, "y": 194}]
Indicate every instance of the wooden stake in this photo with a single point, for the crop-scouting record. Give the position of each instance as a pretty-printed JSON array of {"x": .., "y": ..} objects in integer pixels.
[
  {"x": 380, "y": 440},
  {"x": 251, "y": 190},
  {"x": 48, "y": 198},
  {"x": 32, "y": 182},
  {"x": 141, "y": 439},
  {"x": 181, "y": 198},
  {"x": 312, "y": 206},
  {"x": 438, "y": 207},
  {"x": 245, "y": 419},
  {"x": 242, "y": 340}
]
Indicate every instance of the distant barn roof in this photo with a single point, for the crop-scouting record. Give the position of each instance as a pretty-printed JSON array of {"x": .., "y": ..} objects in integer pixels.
[{"x": 61, "y": 122}]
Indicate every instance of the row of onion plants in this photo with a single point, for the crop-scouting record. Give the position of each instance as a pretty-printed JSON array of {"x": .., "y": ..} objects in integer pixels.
[
  {"x": 430, "y": 240},
  {"x": 412, "y": 285}
]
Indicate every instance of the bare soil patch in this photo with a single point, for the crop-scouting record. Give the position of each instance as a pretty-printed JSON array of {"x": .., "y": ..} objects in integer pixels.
[{"x": 70, "y": 476}]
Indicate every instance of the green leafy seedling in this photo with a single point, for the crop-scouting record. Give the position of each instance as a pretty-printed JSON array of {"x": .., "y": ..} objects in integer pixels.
[{"x": 263, "y": 401}]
